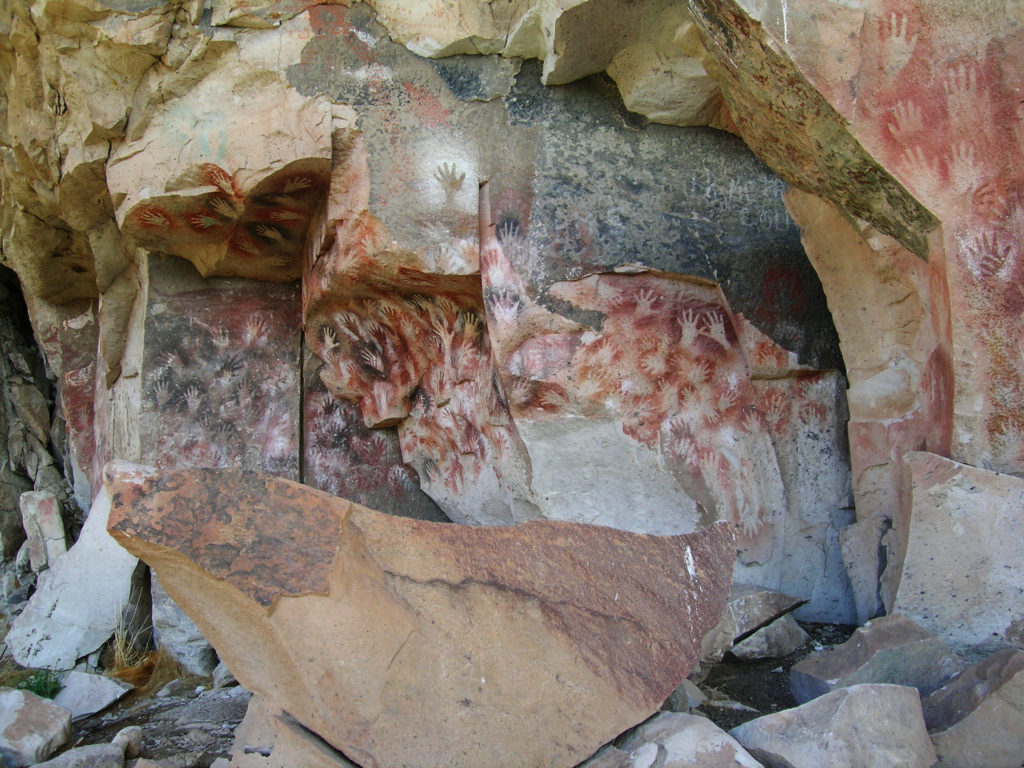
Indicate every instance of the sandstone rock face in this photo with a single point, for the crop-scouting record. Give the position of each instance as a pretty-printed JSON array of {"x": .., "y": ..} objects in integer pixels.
[
  {"x": 269, "y": 738},
  {"x": 961, "y": 579},
  {"x": 31, "y": 728},
  {"x": 978, "y": 717},
  {"x": 81, "y": 603},
  {"x": 889, "y": 649},
  {"x": 381, "y": 634},
  {"x": 864, "y": 726}
]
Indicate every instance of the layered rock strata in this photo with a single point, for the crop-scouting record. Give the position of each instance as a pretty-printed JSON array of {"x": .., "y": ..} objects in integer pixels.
[{"x": 407, "y": 642}]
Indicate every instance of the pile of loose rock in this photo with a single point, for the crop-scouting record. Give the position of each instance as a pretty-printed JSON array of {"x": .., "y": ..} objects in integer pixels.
[{"x": 891, "y": 695}]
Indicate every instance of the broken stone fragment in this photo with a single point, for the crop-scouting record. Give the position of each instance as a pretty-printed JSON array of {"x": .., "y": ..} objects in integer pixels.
[
  {"x": 402, "y": 641},
  {"x": 31, "y": 728},
  {"x": 44, "y": 529},
  {"x": 864, "y": 726},
  {"x": 889, "y": 649},
  {"x": 750, "y": 607},
  {"x": 269, "y": 738},
  {"x": 91, "y": 756},
  {"x": 977, "y": 718},
  {"x": 962, "y": 578},
  {"x": 83, "y": 694},
  {"x": 674, "y": 740},
  {"x": 79, "y": 606},
  {"x": 772, "y": 641}
]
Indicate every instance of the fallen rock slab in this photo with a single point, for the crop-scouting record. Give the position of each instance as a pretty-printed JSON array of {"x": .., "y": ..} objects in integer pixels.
[
  {"x": 864, "y": 726},
  {"x": 977, "y": 718},
  {"x": 962, "y": 578},
  {"x": 674, "y": 740},
  {"x": 269, "y": 738},
  {"x": 92, "y": 756},
  {"x": 83, "y": 694},
  {"x": 772, "y": 641},
  {"x": 31, "y": 728},
  {"x": 750, "y": 607},
  {"x": 404, "y": 642},
  {"x": 78, "y": 607},
  {"x": 889, "y": 649}
]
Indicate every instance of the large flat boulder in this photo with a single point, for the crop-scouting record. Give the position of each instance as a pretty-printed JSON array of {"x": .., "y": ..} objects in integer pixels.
[
  {"x": 31, "y": 728},
  {"x": 864, "y": 726},
  {"x": 80, "y": 605},
  {"x": 977, "y": 719},
  {"x": 889, "y": 649},
  {"x": 402, "y": 641},
  {"x": 962, "y": 578}
]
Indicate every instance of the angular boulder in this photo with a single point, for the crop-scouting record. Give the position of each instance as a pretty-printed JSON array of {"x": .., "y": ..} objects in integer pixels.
[
  {"x": 81, "y": 604},
  {"x": 84, "y": 694},
  {"x": 401, "y": 641},
  {"x": 962, "y": 578},
  {"x": 270, "y": 738},
  {"x": 889, "y": 649},
  {"x": 977, "y": 719},
  {"x": 750, "y": 607},
  {"x": 674, "y": 740},
  {"x": 31, "y": 728},
  {"x": 864, "y": 726},
  {"x": 773, "y": 641}
]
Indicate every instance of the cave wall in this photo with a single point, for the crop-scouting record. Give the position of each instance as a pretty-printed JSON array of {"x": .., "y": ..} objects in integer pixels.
[{"x": 525, "y": 300}]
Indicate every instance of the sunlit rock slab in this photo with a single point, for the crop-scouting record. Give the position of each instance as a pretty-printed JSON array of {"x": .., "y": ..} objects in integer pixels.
[
  {"x": 962, "y": 578},
  {"x": 408, "y": 642}
]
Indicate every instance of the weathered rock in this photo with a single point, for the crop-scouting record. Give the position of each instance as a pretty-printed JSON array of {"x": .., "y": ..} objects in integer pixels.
[
  {"x": 688, "y": 696},
  {"x": 31, "y": 728},
  {"x": 44, "y": 529},
  {"x": 977, "y": 718},
  {"x": 129, "y": 739},
  {"x": 889, "y": 649},
  {"x": 369, "y": 599},
  {"x": 84, "y": 694},
  {"x": 864, "y": 726},
  {"x": 673, "y": 740},
  {"x": 750, "y": 607},
  {"x": 270, "y": 738},
  {"x": 92, "y": 756},
  {"x": 177, "y": 634},
  {"x": 961, "y": 578},
  {"x": 81, "y": 604},
  {"x": 773, "y": 641},
  {"x": 222, "y": 676}
]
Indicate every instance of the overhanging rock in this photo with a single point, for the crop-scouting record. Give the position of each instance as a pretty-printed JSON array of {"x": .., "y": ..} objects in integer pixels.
[{"x": 407, "y": 642}]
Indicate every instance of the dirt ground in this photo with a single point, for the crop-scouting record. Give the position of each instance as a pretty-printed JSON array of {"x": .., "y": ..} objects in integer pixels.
[{"x": 761, "y": 686}]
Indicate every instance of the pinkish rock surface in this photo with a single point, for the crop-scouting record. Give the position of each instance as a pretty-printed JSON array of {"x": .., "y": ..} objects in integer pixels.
[{"x": 399, "y": 640}]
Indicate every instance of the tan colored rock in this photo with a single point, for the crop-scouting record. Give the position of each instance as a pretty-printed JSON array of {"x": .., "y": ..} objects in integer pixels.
[
  {"x": 237, "y": 198},
  {"x": 962, "y": 579},
  {"x": 864, "y": 726},
  {"x": 889, "y": 311},
  {"x": 31, "y": 728},
  {"x": 977, "y": 719},
  {"x": 404, "y": 641},
  {"x": 749, "y": 608},
  {"x": 774, "y": 641},
  {"x": 269, "y": 738}
]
